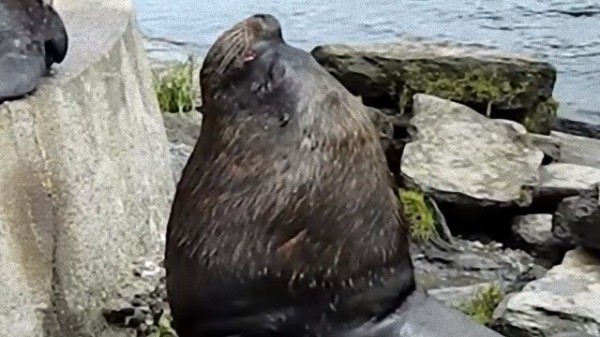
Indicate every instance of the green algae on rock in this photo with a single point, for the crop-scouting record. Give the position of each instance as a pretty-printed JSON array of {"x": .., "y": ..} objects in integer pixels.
[
  {"x": 541, "y": 118},
  {"x": 388, "y": 75}
]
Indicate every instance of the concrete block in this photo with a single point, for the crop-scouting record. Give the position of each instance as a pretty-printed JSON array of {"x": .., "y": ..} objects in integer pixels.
[{"x": 85, "y": 179}]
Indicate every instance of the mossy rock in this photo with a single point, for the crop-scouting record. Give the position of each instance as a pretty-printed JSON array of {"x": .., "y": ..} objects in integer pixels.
[
  {"x": 542, "y": 117},
  {"x": 420, "y": 217},
  {"x": 388, "y": 75}
]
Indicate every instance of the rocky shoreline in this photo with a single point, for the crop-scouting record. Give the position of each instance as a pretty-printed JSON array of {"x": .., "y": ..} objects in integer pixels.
[{"x": 516, "y": 202}]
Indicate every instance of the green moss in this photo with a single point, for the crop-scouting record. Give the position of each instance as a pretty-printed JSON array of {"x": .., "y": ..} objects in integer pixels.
[
  {"x": 164, "y": 328},
  {"x": 461, "y": 81},
  {"x": 540, "y": 119},
  {"x": 482, "y": 305},
  {"x": 174, "y": 87},
  {"x": 420, "y": 216},
  {"x": 492, "y": 85}
]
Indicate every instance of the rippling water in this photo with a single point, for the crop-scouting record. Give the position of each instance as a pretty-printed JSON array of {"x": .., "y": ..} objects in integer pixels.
[{"x": 565, "y": 33}]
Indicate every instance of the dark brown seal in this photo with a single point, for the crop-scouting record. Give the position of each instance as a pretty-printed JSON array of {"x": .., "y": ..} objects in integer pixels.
[
  {"x": 32, "y": 38},
  {"x": 285, "y": 212},
  {"x": 285, "y": 221}
]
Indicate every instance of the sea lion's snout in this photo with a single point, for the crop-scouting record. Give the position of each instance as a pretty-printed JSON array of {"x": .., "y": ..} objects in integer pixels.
[
  {"x": 268, "y": 21},
  {"x": 260, "y": 16},
  {"x": 236, "y": 46},
  {"x": 265, "y": 26}
]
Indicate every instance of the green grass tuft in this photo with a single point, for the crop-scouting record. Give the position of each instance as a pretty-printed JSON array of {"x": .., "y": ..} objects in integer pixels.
[
  {"x": 482, "y": 305},
  {"x": 174, "y": 87},
  {"x": 420, "y": 216}
]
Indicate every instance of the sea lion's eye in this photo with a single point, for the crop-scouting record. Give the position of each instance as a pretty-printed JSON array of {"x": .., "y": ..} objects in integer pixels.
[{"x": 276, "y": 70}]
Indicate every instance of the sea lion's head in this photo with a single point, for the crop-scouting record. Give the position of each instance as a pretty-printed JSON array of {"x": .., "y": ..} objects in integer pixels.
[{"x": 235, "y": 47}]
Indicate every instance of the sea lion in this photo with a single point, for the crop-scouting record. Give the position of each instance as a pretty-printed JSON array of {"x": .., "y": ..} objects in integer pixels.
[
  {"x": 285, "y": 221},
  {"x": 32, "y": 38}
]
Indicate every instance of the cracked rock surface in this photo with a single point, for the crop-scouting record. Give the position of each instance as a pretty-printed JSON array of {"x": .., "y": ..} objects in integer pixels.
[{"x": 462, "y": 157}]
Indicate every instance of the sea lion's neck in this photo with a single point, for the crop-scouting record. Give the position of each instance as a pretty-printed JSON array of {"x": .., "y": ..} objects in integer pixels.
[
  {"x": 375, "y": 272},
  {"x": 383, "y": 293}
]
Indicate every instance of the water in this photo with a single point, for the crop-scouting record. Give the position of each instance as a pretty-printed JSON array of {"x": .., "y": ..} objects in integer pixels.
[{"x": 565, "y": 33}]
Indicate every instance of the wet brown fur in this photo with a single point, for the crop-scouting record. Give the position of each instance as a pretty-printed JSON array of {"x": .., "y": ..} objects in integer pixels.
[{"x": 282, "y": 223}]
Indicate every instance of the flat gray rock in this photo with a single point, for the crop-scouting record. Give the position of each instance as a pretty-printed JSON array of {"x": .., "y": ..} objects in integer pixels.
[
  {"x": 461, "y": 156},
  {"x": 183, "y": 127},
  {"x": 550, "y": 145},
  {"x": 534, "y": 234},
  {"x": 562, "y": 180},
  {"x": 473, "y": 263},
  {"x": 572, "y": 334},
  {"x": 183, "y": 130},
  {"x": 565, "y": 176},
  {"x": 578, "y": 150},
  {"x": 455, "y": 297},
  {"x": 566, "y": 299},
  {"x": 577, "y": 220}
]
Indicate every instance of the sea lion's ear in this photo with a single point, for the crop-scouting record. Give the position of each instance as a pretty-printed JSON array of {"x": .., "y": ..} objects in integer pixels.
[{"x": 276, "y": 71}]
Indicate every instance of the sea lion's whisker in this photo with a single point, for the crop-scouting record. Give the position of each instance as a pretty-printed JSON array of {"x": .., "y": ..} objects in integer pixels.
[{"x": 229, "y": 56}]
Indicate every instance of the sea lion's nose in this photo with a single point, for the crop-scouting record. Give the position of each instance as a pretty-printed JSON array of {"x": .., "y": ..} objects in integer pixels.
[
  {"x": 260, "y": 16},
  {"x": 268, "y": 22},
  {"x": 265, "y": 17}
]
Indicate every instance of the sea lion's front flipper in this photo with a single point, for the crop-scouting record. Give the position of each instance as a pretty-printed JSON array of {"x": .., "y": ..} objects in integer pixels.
[
  {"x": 426, "y": 316},
  {"x": 57, "y": 41},
  {"x": 422, "y": 316},
  {"x": 19, "y": 74}
]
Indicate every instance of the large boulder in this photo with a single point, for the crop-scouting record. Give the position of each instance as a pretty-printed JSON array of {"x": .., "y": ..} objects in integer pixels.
[
  {"x": 85, "y": 183},
  {"x": 388, "y": 75},
  {"x": 577, "y": 220},
  {"x": 566, "y": 299},
  {"x": 462, "y": 157}
]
